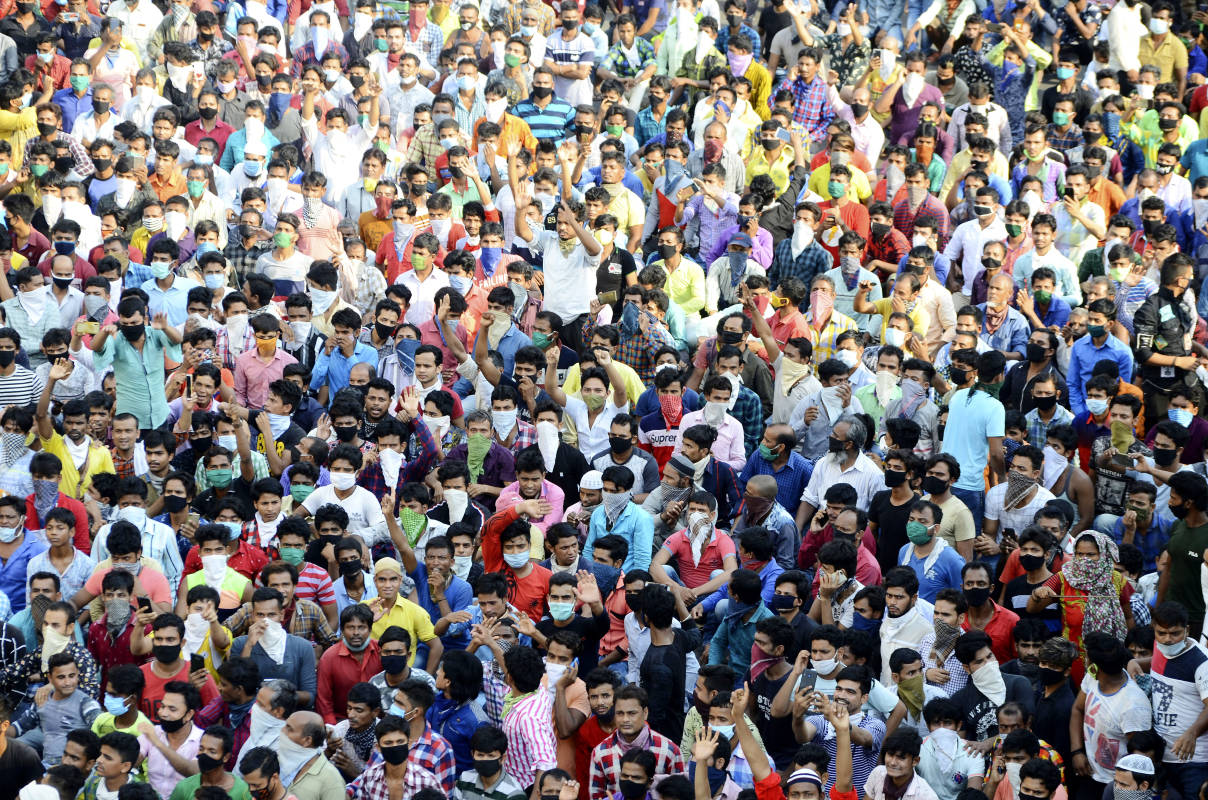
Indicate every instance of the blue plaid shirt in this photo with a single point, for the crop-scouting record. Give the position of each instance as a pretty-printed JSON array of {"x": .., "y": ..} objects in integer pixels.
[
  {"x": 1038, "y": 429},
  {"x": 813, "y": 260},
  {"x": 748, "y": 410},
  {"x": 723, "y": 38},
  {"x": 791, "y": 479}
]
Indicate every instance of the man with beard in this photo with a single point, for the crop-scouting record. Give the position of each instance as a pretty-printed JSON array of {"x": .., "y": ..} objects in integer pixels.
[
  {"x": 987, "y": 690},
  {"x": 851, "y": 691},
  {"x": 760, "y": 509},
  {"x": 903, "y": 625}
]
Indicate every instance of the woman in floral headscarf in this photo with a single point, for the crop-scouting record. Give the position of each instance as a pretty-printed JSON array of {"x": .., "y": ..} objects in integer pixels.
[{"x": 1091, "y": 594}]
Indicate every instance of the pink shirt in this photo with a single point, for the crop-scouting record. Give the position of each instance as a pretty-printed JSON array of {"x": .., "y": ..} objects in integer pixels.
[
  {"x": 252, "y": 376},
  {"x": 711, "y": 556},
  {"x": 510, "y": 496},
  {"x": 727, "y": 447}
]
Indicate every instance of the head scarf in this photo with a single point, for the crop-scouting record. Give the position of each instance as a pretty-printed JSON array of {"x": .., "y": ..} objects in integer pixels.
[{"x": 1101, "y": 610}]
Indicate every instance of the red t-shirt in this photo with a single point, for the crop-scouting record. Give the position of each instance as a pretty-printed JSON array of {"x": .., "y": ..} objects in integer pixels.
[
  {"x": 586, "y": 738},
  {"x": 711, "y": 556},
  {"x": 153, "y": 692}
]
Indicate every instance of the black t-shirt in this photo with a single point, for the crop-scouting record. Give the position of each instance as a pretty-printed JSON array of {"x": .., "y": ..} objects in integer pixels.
[
  {"x": 979, "y": 714},
  {"x": 663, "y": 670},
  {"x": 20, "y": 765},
  {"x": 1016, "y": 598},
  {"x": 206, "y": 503},
  {"x": 611, "y": 275},
  {"x": 891, "y": 527},
  {"x": 1053, "y": 717},
  {"x": 589, "y": 629},
  {"x": 776, "y": 732},
  {"x": 803, "y": 626}
]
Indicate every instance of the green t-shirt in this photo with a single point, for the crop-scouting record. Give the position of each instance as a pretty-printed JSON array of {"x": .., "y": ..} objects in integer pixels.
[
  {"x": 104, "y": 723},
  {"x": 188, "y": 787}
]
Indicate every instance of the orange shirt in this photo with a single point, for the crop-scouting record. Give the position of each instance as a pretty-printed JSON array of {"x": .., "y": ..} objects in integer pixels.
[
  {"x": 167, "y": 188},
  {"x": 514, "y": 129}
]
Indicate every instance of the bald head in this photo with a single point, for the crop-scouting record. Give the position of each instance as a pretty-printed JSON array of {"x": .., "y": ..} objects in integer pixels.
[
  {"x": 762, "y": 486},
  {"x": 1002, "y": 281},
  {"x": 305, "y": 729}
]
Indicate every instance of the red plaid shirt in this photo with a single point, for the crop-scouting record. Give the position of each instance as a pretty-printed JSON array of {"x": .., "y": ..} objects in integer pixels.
[
  {"x": 372, "y": 785},
  {"x": 903, "y": 217},
  {"x": 606, "y": 761},
  {"x": 890, "y": 249},
  {"x": 526, "y": 435},
  {"x": 431, "y": 752},
  {"x": 217, "y": 712}
]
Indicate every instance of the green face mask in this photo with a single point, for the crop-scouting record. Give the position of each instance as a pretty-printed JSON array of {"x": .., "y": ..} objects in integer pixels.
[
  {"x": 542, "y": 340},
  {"x": 282, "y": 239},
  {"x": 918, "y": 533},
  {"x": 219, "y": 478},
  {"x": 834, "y": 189},
  {"x": 300, "y": 491},
  {"x": 79, "y": 82},
  {"x": 614, "y": 130},
  {"x": 511, "y": 60},
  {"x": 1060, "y": 118},
  {"x": 1096, "y": 331},
  {"x": 767, "y": 453},
  {"x": 1014, "y": 230},
  {"x": 38, "y": 170},
  {"x": 1042, "y": 297},
  {"x": 381, "y": 45},
  {"x": 196, "y": 188},
  {"x": 292, "y": 555}
]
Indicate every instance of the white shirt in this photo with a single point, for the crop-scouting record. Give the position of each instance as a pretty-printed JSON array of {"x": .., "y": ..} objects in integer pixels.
[
  {"x": 864, "y": 476},
  {"x": 967, "y": 243},
  {"x": 1124, "y": 32},
  {"x": 868, "y": 135},
  {"x": 1016, "y": 518},
  {"x": 337, "y": 157},
  {"x": 85, "y": 128},
  {"x": 1073, "y": 239},
  {"x": 139, "y": 21},
  {"x": 423, "y": 293},
  {"x": 403, "y": 101},
  {"x": 593, "y": 439},
  {"x": 364, "y": 510},
  {"x": 570, "y": 280}
]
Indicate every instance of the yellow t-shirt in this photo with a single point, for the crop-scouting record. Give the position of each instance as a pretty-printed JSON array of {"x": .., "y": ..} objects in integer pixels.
[
  {"x": 411, "y": 618},
  {"x": 72, "y": 483},
  {"x": 919, "y": 316}
]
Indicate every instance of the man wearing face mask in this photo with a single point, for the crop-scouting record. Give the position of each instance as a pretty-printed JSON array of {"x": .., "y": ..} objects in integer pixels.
[
  {"x": 1165, "y": 349},
  {"x": 988, "y": 688}
]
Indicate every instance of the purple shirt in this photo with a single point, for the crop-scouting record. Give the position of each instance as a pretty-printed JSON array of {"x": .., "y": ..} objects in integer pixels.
[
  {"x": 712, "y": 225},
  {"x": 761, "y": 252},
  {"x": 905, "y": 120}
]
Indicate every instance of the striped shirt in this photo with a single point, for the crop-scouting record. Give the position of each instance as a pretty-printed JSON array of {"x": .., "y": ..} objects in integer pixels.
[
  {"x": 532, "y": 746},
  {"x": 863, "y": 759},
  {"x": 22, "y": 388},
  {"x": 314, "y": 584},
  {"x": 469, "y": 786},
  {"x": 551, "y": 122},
  {"x": 579, "y": 50}
]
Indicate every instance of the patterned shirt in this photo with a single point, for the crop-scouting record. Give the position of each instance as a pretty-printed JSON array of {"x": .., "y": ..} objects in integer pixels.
[
  {"x": 306, "y": 622},
  {"x": 1038, "y": 429},
  {"x": 243, "y": 259},
  {"x": 810, "y": 262},
  {"x": 957, "y": 677},
  {"x": 372, "y": 785},
  {"x": 723, "y": 38},
  {"x": 550, "y": 123},
  {"x": 373, "y": 480},
  {"x": 532, "y": 745},
  {"x": 15, "y": 675},
  {"x": 431, "y": 753},
  {"x": 811, "y": 105},
  {"x": 1067, "y": 140},
  {"x": 1092, "y": 17},
  {"x": 903, "y": 217},
  {"x": 748, "y": 410},
  {"x": 606, "y": 760},
  {"x": 618, "y": 62},
  {"x": 850, "y": 61},
  {"x": 638, "y": 350},
  {"x": 971, "y": 67}
]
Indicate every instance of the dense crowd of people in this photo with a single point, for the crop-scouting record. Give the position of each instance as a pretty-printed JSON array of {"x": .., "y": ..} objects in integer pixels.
[{"x": 693, "y": 400}]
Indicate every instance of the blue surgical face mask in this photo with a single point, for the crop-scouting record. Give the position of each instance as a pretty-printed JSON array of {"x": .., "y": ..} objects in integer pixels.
[
  {"x": 726, "y": 731},
  {"x": 516, "y": 560},
  {"x": 115, "y": 705}
]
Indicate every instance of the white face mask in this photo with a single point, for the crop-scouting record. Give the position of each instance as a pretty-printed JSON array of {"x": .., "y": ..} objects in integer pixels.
[{"x": 342, "y": 480}]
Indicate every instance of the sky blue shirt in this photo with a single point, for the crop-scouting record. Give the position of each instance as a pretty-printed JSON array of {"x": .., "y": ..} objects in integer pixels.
[
  {"x": 458, "y": 593},
  {"x": 334, "y": 369},
  {"x": 945, "y": 571},
  {"x": 139, "y": 375},
  {"x": 973, "y": 419},
  {"x": 12, "y": 571},
  {"x": 1011, "y": 336},
  {"x": 343, "y": 601},
  {"x": 172, "y": 301},
  {"x": 634, "y": 525}
]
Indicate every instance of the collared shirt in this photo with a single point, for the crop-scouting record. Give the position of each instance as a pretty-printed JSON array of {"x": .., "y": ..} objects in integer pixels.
[
  {"x": 863, "y": 475},
  {"x": 72, "y": 579},
  {"x": 551, "y": 123},
  {"x": 791, "y": 479},
  {"x": 1084, "y": 355},
  {"x": 140, "y": 373},
  {"x": 811, "y": 105},
  {"x": 904, "y": 217},
  {"x": 532, "y": 744},
  {"x": 605, "y": 768},
  {"x": 253, "y": 376},
  {"x": 339, "y": 670},
  {"x": 170, "y": 301},
  {"x": 334, "y": 369}
]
